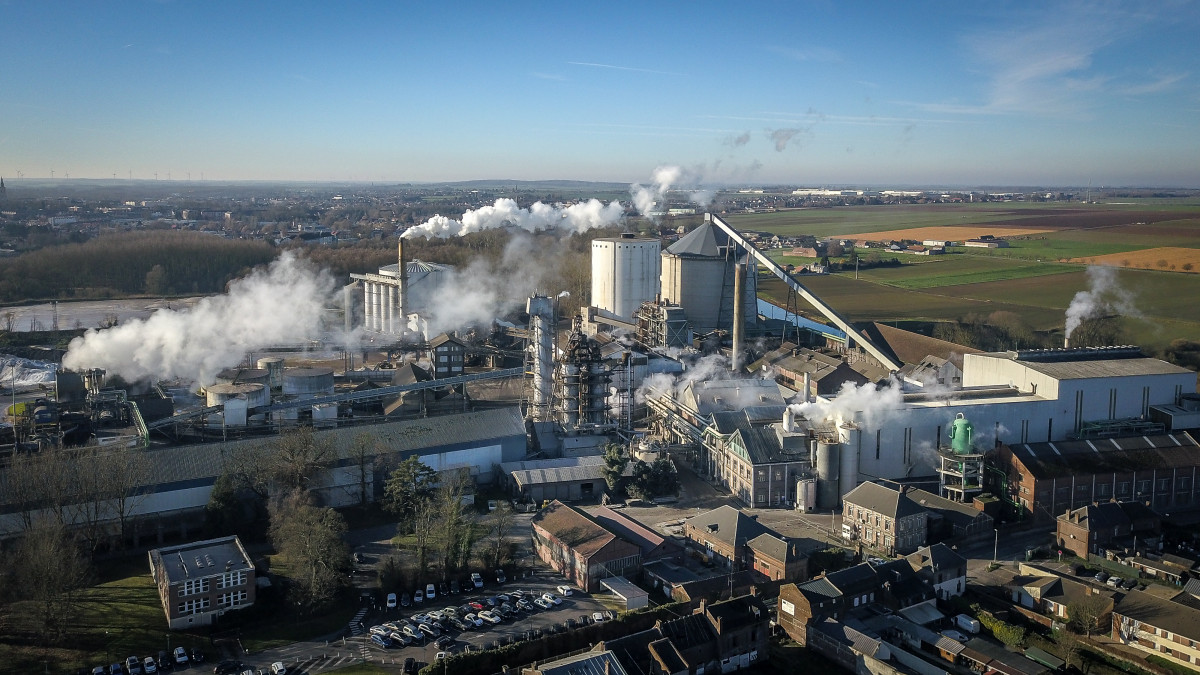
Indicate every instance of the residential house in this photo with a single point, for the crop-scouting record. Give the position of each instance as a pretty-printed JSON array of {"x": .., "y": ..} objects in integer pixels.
[
  {"x": 884, "y": 519},
  {"x": 942, "y": 568},
  {"x": 580, "y": 549},
  {"x": 1166, "y": 628},
  {"x": 951, "y": 519},
  {"x": 1090, "y": 530},
  {"x": 202, "y": 580},
  {"x": 734, "y": 539},
  {"x": 1051, "y": 595},
  {"x": 598, "y": 661}
]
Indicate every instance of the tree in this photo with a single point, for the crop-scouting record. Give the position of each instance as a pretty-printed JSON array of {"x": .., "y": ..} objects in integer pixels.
[
  {"x": 1087, "y": 615},
  {"x": 225, "y": 512},
  {"x": 448, "y": 500},
  {"x": 250, "y": 467},
  {"x": 363, "y": 451},
  {"x": 310, "y": 539},
  {"x": 499, "y": 525},
  {"x": 298, "y": 454},
  {"x": 408, "y": 485},
  {"x": 125, "y": 474},
  {"x": 50, "y": 571},
  {"x": 615, "y": 461},
  {"x": 424, "y": 527},
  {"x": 1068, "y": 645},
  {"x": 156, "y": 280}
]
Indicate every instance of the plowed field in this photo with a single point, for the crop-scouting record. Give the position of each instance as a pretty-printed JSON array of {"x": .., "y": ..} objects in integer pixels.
[
  {"x": 945, "y": 233},
  {"x": 1168, "y": 258}
]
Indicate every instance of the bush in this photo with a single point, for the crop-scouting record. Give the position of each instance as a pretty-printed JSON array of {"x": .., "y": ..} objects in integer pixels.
[
  {"x": 1007, "y": 633},
  {"x": 1169, "y": 665}
]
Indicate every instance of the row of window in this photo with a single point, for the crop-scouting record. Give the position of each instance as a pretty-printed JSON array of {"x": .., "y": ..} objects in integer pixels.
[
  {"x": 232, "y": 599},
  {"x": 194, "y": 586},
  {"x": 194, "y": 606}
]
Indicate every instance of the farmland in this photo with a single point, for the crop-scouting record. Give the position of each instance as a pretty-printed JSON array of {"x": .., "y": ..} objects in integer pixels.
[
  {"x": 1165, "y": 258},
  {"x": 947, "y": 233}
]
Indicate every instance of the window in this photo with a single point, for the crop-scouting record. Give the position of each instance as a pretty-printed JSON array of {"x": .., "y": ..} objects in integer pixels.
[
  {"x": 232, "y": 579},
  {"x": 761, "y": 498},
  {"x": 194, "y": 586},
  {"x": 231, "y": 599},
  {"x": 193, "y": 606}
]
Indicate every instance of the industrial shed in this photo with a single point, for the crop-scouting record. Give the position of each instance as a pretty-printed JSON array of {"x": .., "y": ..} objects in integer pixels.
[{"x": 567, "y": 479}]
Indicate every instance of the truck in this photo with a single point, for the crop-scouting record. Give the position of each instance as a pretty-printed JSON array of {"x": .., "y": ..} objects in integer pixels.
[{"x": 967, "y": 624}]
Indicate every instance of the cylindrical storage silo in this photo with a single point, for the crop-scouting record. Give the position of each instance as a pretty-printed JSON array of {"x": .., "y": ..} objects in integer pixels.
[
  {"x": 235, "y": 412},
  {"x": 828, "y": 474},
  {"x": 806, "y": 494},
  {"x": 308, "y": 382},
  {"x": 849, "y": 464},
  {"x": 244, "y": 376},
  {"x": 625, "y": 273},
  {"x": 256, "y": 395},
  {"x": 274, "y": 367}
]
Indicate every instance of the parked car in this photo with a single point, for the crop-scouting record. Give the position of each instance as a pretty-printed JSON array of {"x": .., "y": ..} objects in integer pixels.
[
  {"x": 444, "y": 642},
  {"x": 441, "y": 656},
  {"x": 418, "y": 596},
  {"x": 444, "y": 588},
  {"x": 1130, "y": 584},
  {"x": 585, "y": 619},
  {"x": 99, "y": 670},
  {"x": 430, "y": 591},
  {"x": 181, "y": 657},
  {"x": 399, "y": 639},
  {"x": 490, "y": 617},
  {"x": 454, "y": 587},
  {"x": 227, "y": 668},
  {"x": 133, "y": 665},
  {"x": 430, "y": 630},
  {"x": 507, "y": 609},
  {"x": 967, "y": 623},
  {"x": 572, "y": 624},
  {"x": 474, "y": 619},
  {"x": 391, "y": 601},
  {"x": 197, "y": 656},
  {"x": 564, "y": 590},
  {"x": 597, "y": 617},
  {"x": 149, "y": 666},
  {"x": 477, "y": 579},
  {"x": 1101, "y": 577},
  {"x": 412, "y": 631},
  {"x": 116, "y": 669},
  {"x": 543, "y": 603},
  {"x": 378, "y": 630},
  {"x": 405, "y": 600},
  {"x": 410, "y": 666},
  {"x": 1114, "y": 582},
  {"x": 278, "y": 668},
  {"x": 477, "y": 606},
  {"x": 458, "y": 624},
  {"x": 500, "y": 578},
  {"x": 381, "y": 640},
  {"x": 525, "y": 604},
  {"x": 550, "y": 597}
]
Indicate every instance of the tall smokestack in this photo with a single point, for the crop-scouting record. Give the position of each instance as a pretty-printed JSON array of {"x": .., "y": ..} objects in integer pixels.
[
  {"x": 402, "y": 271},
  {"x": 739, "y": 320}
]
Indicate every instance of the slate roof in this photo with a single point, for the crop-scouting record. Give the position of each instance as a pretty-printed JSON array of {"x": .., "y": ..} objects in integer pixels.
[
  {"x": 1107, "y": 455},
  {"x": 738, "y": 612},
  {"x": 936, "y": 557},
  {"x": 910, "y": 347},
  {"x": 883, "y": 500},
  {"x": 958, "y": 513},
  {"x": 728, "y": 525},
  {"x": 1154, "y": 611},
  {"x": 857, "y": 640},
  {"x": 587, "y": 663},
  {"x": 775, "y": 546},
  {"x": 628, "y": 529},
  {"x": 561, "y": 470},
  {"x": 664, "y": 651}
]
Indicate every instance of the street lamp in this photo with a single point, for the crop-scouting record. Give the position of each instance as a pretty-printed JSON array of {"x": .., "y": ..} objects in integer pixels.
[{"x": 996, "y": 544}]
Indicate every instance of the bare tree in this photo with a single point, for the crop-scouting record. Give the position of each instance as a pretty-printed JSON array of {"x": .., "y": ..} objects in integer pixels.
[
  {"x": 363, "y": 452},
  {"x": 424, "y": 524},
  {"x": 499, "y": 524},
  {"x": 310, "y": 539},
  {"x": 10, "y": 319},
  {"x": 50, "y": 571},
  {"x": 1069, "y": 645},
  {"x": 1088, "y": 614},
  {"x": 250, "y": 467},
  {"x": 448, "y": 500},
  {"x": 125, "y": 473},
  {"x": 298, "y": 454}
]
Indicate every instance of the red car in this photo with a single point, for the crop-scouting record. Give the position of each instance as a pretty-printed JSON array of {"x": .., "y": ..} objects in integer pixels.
[{"x": 476, "y": 606}]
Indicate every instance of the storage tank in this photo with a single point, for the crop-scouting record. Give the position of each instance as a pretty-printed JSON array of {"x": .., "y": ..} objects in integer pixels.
[
  {"x": 274, "y": 367},
  {"x": 256, "y": 395},
  {"x": 697, "y": 274},
  {"x": 828, "y": 474},
  {"x": 244, "y": 376},
  {"x": 308, "y": 382},
  {"x": 806, "y": 494},
  {"x": 849, "y": 460},
  {"x": 235, "y": 412},
  {"x": 625, "y": 273}
]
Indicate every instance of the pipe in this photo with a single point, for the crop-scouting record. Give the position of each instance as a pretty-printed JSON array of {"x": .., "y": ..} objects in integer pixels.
[{"x": 739, "y": 319}]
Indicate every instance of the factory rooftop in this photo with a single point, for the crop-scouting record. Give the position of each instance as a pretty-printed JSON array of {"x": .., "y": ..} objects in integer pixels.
[
  {"x": 1107, "y": 455},
  {"x": 1082, "y": 364}
]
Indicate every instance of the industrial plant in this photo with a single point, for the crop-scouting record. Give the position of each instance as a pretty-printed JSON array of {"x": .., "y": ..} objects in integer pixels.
[{"x": 675, "y": 356}]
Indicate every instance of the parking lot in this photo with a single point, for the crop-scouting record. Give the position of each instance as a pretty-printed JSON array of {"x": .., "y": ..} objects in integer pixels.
[{"x": 510, "y": 630}]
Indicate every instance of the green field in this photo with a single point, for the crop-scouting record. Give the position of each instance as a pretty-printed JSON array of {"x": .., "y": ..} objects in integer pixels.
[
  {"x": 955, "y": 270},
  {"x": 825, "y": 222}
]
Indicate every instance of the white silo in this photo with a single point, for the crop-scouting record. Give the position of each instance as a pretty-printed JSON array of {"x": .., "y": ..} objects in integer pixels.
[
  {"x": 851, "y": 444},
  {"x": 625, "y": 273},
  {"x": 244, "y": 376},
  {"x": 256, "y": 395},
  {"x": 308, "y": 382},
  {"x": 274, "y": 367}
]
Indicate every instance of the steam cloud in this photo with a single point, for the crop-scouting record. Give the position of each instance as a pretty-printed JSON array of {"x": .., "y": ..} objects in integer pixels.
[
  {"x": 708, "y": 368},
  {"x": 575, "y": 218},
  {"x": 873, "y": 406},
  {"x": 663, "y": 180},
  {"x": 282, "y": 303},
  {"x": 1104, "y": 295}
]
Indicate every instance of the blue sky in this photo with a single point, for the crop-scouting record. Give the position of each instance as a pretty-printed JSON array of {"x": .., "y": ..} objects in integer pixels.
[{"x": 819, "y": 93}]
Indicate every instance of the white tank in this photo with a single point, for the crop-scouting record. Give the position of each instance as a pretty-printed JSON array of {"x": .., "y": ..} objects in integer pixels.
[
  {"x": 256, "y": 395},
  {"x": 308, "y": 382},
  {"x": 235, "y": 412},
  {"x": 806, "y": 494},
  {"x": 274, "y": 367},
  {"x": 625, "y": 273},
  {"x": 849, "y": 461}
]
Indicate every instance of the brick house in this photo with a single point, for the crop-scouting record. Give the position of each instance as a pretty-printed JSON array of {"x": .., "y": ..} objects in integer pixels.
[
  {"x": 883, "y": 519},
  {"x": 736, "y": 540},
  {"x": 941, "y": 568},
  {"x": 1168, "y": 628},
  {"x": 1051, "y": 595},
  {"x": 1091, "y": 529},
  {"x": 200, "y": 581},
  {"x": 580, "y": 549}
]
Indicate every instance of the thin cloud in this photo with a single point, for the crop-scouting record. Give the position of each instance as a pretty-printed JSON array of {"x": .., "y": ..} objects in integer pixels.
[
  {"x": 810, "y": 53},
  {"x": 1159, "y": 85},
  {"x": 610, "y": 66},
  {"x": 738, "y": 141},
  {"x": 549, "y": 76}
]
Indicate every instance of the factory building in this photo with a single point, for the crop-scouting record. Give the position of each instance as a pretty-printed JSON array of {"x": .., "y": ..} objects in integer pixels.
[
  {"x": 625, "y": 273},
  {"x": 183, "y": 476},
  {"x": 394, "y": 294},
  {"x": 698, "y": 275}
]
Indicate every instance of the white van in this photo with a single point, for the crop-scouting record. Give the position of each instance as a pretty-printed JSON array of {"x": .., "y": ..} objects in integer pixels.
[{"x": 967, "y": 623}]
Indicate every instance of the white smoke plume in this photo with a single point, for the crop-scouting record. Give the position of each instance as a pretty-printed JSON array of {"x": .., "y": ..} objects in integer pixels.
[
  {"x": 871, "y": 405},
  {"x": 574, "y": 218},
  {"x": 1104, "y": 295},
  {"x": 708, "y": 368},
  {"x": 281, "y": 303},
  {"x": 665, "y": 179}
]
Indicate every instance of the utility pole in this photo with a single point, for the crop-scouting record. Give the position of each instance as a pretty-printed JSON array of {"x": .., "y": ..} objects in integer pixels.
[{"x": 996, "y": 544}]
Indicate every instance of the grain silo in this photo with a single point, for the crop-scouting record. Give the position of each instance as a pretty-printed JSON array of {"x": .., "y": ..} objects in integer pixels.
[
  {"x": 698, "y": 275},
  {"x": 625, "y": 273},
  {"x": 828, "y": 474}
]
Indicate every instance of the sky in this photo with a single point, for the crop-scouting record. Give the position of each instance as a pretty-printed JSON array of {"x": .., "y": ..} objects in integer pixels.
[{"x": 801, "y": 93}]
